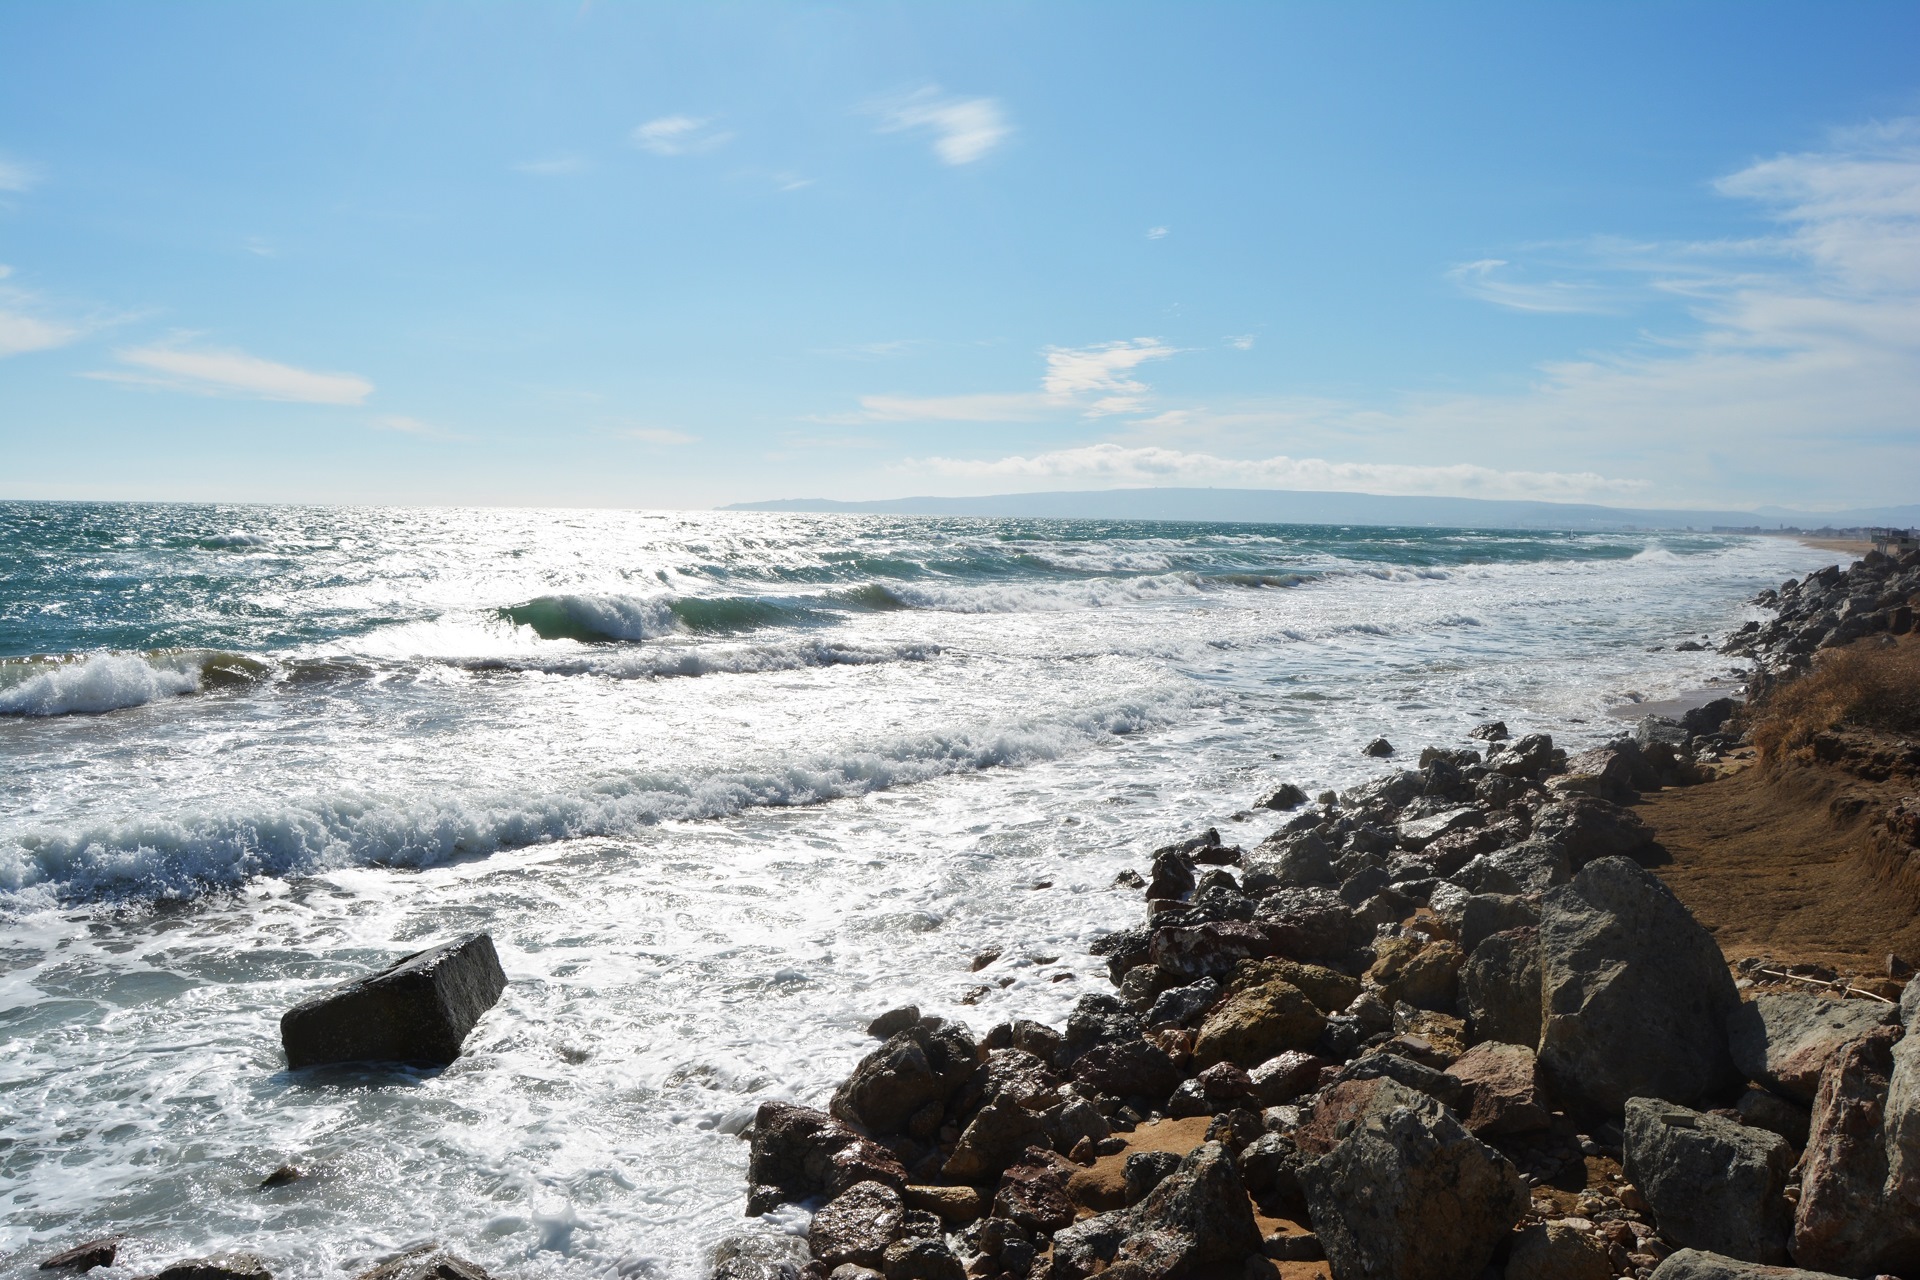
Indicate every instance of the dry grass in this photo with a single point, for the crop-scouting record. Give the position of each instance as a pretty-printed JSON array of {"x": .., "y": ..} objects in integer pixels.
[{"x": 1867, "y": 685}]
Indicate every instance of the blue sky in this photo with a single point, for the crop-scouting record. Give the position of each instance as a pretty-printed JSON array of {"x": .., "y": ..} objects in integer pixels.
[{"x": 681, "y": 255}]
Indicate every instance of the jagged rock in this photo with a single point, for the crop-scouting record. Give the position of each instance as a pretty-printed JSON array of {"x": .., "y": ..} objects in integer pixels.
[
  {"x": 1482, "y": 915},
  {"x": 1134, "y": 1068},
  {"x": 1531, "y": 867},
  {"x": 1301, "y": 859},
  {"x": 1182, "y": 1006},
  {"x": 1033, "y": 1192},
  {"x": 956, "y": 1205},
  {"x": 1523, "y": 757},
  {"x": 1902, "y": 1120},
  {"x": 893, "y": 1022},
  {"x": 1409, "y": 1193},
  {"x": 1589, "y": 828},
  {"x": 920, "y": 1066},
  {"x": 997, "y": 1133},
  {"x": 1145, "y": 1170},
  {"x": 1696, "y": 1264},
  {"x": 1185, "y": 954},
  {"x": 232, "y": 1265},
  {"x": 1270, "y": 1169},
  {"x": 1418, "y": 833},
  {"x": 857, "y": 1226},
  {"x": 1713, "y": 1183},
  {"x": 1378, "y": 748},
  {"x": 921, "y": 1258},
  {"x": 1197, "y": 1215},
  {"x": 84, "y": 1256},
  {"x": 1174, "y": 876},
  {"x": 1253, "y": 1025},
  {"x": 1770, "y": 1111},
  {"x": 1502, "y": 1091},
  {"x": 760, "y": 1257},
  {"x": 1425, "y": 976},
  {"x": 1709, "y": 717},
  {"x": 432, "y": 1262},
  {"x": 1436, "y": 1084},
  {"x": 1605, "y": 773},
  {"x": 1329, "y": 989},
  {"x": 417, "y": 1010},
  {"x": 1844, "y": 1221},
  {"x": 1635, "y": 995},
  {"x": 1491, "y": 731},
  {"x": 1784, "y": 1041},
  {"x": 1285, "y": 796},
  {"x": 1285, "y": 1076},
  {"x": 1500, "y": 988},
  {"x": 798, "y": 1153},
  {"x": 1557, "y": 1251}
]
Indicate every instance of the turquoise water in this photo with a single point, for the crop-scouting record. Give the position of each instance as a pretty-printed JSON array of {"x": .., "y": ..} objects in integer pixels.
[{"x": 722, "y": 785}]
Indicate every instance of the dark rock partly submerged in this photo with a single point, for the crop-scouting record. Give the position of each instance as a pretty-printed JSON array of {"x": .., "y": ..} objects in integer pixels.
[{"x": 418, "y": 1010}]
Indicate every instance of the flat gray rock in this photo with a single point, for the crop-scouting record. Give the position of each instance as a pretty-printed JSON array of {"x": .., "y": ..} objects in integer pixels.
[
  {"x": 1785, "y": 1041},
  {"x": 1713, "y": 1183}
]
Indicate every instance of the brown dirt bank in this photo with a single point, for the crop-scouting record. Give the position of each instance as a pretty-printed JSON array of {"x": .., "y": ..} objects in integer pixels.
[{"x": 1776, "y": 862}]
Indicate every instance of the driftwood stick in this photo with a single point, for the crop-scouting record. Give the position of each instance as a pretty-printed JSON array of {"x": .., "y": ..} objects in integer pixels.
[{"x": 1844, "y": 990}]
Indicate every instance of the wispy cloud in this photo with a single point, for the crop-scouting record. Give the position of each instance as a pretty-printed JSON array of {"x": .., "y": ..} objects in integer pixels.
[
  {"x": 261, "y": 247},
  {"x": 679, "y": 136},
  {"x": 1240, "y": 341},
  {"x": 964, "y": 129},
  {"x": 555, "y": 166},
  {"x": 1156, "y": 233},
  {"x": 1093, "y": 381},
  {"x": 232, "y": 373},
  {"x": 1493, "y": 280},
  {"x": 1117, "y": 465},
  {"x": 414, "y": 427},
  {"x": 23, "y": 327},
  {"x": 17, "y": 175},
  {"x": 656, "y": 435}
]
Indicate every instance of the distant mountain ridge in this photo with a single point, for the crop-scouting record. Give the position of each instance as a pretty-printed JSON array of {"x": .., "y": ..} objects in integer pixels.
[{"x": 1287, "y": 506}]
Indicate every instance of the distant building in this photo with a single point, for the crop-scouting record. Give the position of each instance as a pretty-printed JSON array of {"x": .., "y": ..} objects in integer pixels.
[{"x": 1894, "y": 542}]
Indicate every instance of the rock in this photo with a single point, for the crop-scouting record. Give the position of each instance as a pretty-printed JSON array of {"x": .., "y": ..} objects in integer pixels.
[
  {"x": 1434, "y": 1083},
  {"x": 1409, "y": 1193},
  {"x": 1173, "y": 876},
  {"x": 798, "y": 1153},
  {"x": 1589, "y": 828},
  {"x": 1484, "y": 914},
  {"x": 957, "y": 1205},
  {"x": 280, "y": 1176},
  {"x": 1770, "y": 1111},
  {"x": 1134, "y": 1068},
  {"x": 1524, "y": 757},
  {"x": 1096, "y": 1019},
  {"x": 430, "y": 1262},
  {"x": 221, "y": 1266},
  {"x": 921, "y": 1066},
  {"x": 1329, "y": 989},
  {"x": 1270, "y": 1169},
  {"x": 1502, "y": 1092},
  {"x": 85, "y": 1256},
  {"x": 1285, "y": 796},
  {"x": 1379, "y": 748},
  {"x": 1605, "y": 773},
  {"x": 759, "y": 1257},
  {"x": 1418, "y": 833},
  {"x": 1182, "y": 1006},
  {"x": 1500, "y": 988},
  {"x": 417, "y": 1010},
  {"x": 1286, "y": 1076},
  {"x": 1902, "y": 1122},
  {"x": 1033, "y": 1192},
  {"x": 1714, "y": 1183},
  {"x": 857, "y": 1226},
  {"x": 922, "y": 1258},
  {"x": 1784, "y": 1041},
  {"x": 1196, "y": 1216},
  {"x": 1844, "y": 1221},
  {"x": 893, "y": 1021},
  {"x": 1530, "y": 867},
  {"x": 1696, "y": 1264},
  {"x": 1491, "y": 731},
  {"x": 1253, "y": 1025},
  {"x": 1424, "y": 976},
  {"x": 1635, "y": 995},
  {"x": 1710, "y": 717},
  {"x": 1557, "y": 1251},
  {"x": 1299, "y": 860}
]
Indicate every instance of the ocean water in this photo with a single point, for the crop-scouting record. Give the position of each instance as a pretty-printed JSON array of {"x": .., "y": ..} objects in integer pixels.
[{"x": 722, "y": 786}]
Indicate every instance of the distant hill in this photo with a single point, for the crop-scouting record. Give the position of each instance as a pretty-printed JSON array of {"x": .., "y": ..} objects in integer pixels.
[{"x": 1283, "y": 506}]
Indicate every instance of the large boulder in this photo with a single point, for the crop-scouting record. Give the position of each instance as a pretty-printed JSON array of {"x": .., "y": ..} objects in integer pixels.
[
  {"x": 1844, "y": 1221},
  {"x": 1253, "y": 1025},
  {"x": 431, "y": 1261},
  {"x": 1635, "y": 994},
  {"x": 232, "y": 1265},
  {"x": 1714, "y": 1183},
  {"x": 1424, "y": 975},
  {"x": 1500, "y": 988},
  {"x": 1503, "y": 1094},
  {"x": 1136, "y": 1068},
  {"x": 1198, "y": 1215},
  {"x": 1590, "y": 828},
  {"x": 760, "y": 1257},
  {"x": 908, "y": 1079},
  {"x": 1902, "y": 1120},
  {"x": 1409, "y": 1193},
  {"x": 1785, "y": 1041},
  {"x": 1697, "y": 1264},
  {"x": 416, "y": 1010},
  {"x": 798, "y": 1153},
  {"x": 857, "y": 1226}
]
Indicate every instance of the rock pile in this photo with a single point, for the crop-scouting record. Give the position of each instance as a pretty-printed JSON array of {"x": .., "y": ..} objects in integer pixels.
[
  {"x": 1878, "y": 595},
  {"x": 1442, "y": 1025}
]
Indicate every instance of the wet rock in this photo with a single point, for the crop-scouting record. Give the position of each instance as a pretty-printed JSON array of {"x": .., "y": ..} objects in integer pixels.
[
  {"x": 1185, "y": 954},
  {"x": 280, "y": 1176},
  {"x": 956, "y": 1205},
  {"x": 1033, "y": 1192},
  {"x": 1784, "y": 1041},
  {"x": 1253, "y": 1025},
  {"x": 222, "y": 1266},
  {"x": 1425, "y": 976},
  {"x": 1844, "y": 1221},
  {"x": 1409, "y": 1193},
  {"x": 1182, "y": 1006},
  {"x": 1635, "y": 995},
  {"x": 1589, "y": 828},
  {"x": 85, "y": 1256},
  {"x": 1503, "y": 1095},
  {"x": 893, "y": 1022},
  {"x": 1558, "y": 1251},
  {"x": 425, "y": 1262},
  {"x": 1173, "y": 876},
  {"x": 921, "y": 1258},
  {"x": 1500, "y": 988},
  {"x": 1491, "y": 731},
  {"x": 1285, "y": 796},
  {"x": 997, "y": 1133},
  {"x": 1697, "y": 1264},
  {"x": 1714, "y": 1183},
  {"x": 923, "y": 1065},
  {"x": 1134, "y": 1068},
  {"x": 1379, "y": 748},
  {"x": 417, "y": 1010},
  {"x": 760, "y": 1257},
  {"x": 798, "y": 1153},
  {"x": 1197, "y": 1216},
  {"x": 1297, "y": 861},
  {"x": 857, "y": 1226}
]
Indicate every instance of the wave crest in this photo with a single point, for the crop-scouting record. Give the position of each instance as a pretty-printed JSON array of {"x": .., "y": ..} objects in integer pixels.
[{"x": 90, "y": 684}]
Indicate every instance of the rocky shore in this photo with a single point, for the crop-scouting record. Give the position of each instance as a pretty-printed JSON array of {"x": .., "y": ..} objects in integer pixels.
[{"x": 1445, "y": 1024}]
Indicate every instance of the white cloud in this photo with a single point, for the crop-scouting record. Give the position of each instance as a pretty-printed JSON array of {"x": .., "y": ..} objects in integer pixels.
[
  {"x": 1093, "y": 380},
  {"x": 233, "y": 373},
  {"x": 1114, "y": 465},
  {"x": 1156, "y": 233},
  {"x": 20, "y": 333},
  {"x": 1240, "y": 341},
  {"x": 679, "y": 136},
  {"x": 1491, "y": 280},
  {"x": 17, "y": 176},
  {"x": 1018, "y": 406},
  {"x": 413, "y": 427},
  {"x": 964, "y": 129},
  {"x": 657, "y": 435}
]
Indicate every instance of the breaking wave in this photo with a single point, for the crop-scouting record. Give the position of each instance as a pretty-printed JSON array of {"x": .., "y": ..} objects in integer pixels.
[{"x": 90, "y": 684}]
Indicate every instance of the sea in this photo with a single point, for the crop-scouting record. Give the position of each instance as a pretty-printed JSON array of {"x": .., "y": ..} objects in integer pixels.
[{"x": 722, "y": 786}]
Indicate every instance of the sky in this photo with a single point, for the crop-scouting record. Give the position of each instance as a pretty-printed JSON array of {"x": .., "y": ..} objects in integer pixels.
[{"x": 680, "y": 255}]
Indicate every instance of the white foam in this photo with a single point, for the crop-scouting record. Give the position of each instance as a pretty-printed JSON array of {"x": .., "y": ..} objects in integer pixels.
[{"x": 101, "y": 682}]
